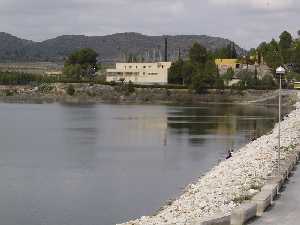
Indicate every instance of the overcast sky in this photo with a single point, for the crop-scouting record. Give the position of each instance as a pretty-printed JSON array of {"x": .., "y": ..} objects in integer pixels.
[{"x": 247, "y": 22}]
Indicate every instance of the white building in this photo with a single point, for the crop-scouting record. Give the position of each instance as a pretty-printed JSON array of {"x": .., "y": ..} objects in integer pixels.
[{"x": 141, "y": 73}]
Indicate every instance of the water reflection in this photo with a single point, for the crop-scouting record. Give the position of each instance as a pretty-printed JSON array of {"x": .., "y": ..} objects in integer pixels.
[
  {"x": 83, "y": 135},
  {"x": 104, "y": 164},
  {"x": 236, "y": 123}
]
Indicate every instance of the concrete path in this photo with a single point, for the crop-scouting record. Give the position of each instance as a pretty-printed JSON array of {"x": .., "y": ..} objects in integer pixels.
[{"x": 286, "y": 209}]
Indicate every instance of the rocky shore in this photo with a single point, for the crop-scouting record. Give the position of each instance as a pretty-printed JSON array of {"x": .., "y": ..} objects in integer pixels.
[
  {"x": 231, "y": 182},
  {"x": 96, "y": 93}
]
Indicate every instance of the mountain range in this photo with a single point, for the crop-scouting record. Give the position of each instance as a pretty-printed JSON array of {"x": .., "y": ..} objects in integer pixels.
[{"x": 111, "y": 48}]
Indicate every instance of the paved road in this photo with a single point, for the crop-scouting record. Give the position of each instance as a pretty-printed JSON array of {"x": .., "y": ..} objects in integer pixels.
[{"x": 286, "y": 210}]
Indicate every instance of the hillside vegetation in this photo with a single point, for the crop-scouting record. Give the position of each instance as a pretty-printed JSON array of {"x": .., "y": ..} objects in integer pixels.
[{"x": 110, "y": 48}]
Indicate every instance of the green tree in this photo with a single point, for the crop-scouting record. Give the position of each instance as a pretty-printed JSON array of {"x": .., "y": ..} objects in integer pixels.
[
  {"x": 229, "y": 52},
  {"x": 247, "y": 80},
  {"x": 228, "y": 76},
  {"x": 205, "y": 77},
  {"x": 199, "y": 82},
  {"x": 175, "y": 72},
  {"x": 73, "y": 71},
  {"x": 201, "y": 69},
  {"x": 262, "y": 50},
  {"x": 211, "y": 72},
  {"x": 273, "y": 59},
  {"x": 188, "y": 71},
  {"x": 285, "y": 45},
  {"x": 199, "y": 72},
  {"x": 81, "y": 62},
  {"x": 286, "y": 40},
  {"x": 293, "y": 76},
  {"x": 198, "y": 54},
  {"x": 296, "y": 54},
  {"x": 232, "y": 51},
  {"x": 219, "y": 83},
  {"x": 83, "y": 57},
  {"x": 222, "y": 53},
  {"x": 273, "y": 56},
  {"x": 273, "y": 45}
]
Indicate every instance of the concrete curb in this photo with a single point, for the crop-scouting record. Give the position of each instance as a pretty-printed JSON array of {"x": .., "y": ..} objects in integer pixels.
[
  {"x": 215, "y": 220},
  {"x": 277, "y": 180},
  {"x": 262, "y": 200},
  {"x": 243, "y": 213},
  {"x": 273, "y": 188}
]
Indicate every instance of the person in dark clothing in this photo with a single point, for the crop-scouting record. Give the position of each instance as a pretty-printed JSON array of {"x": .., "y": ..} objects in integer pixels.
[{"x": 229, "y": 154}]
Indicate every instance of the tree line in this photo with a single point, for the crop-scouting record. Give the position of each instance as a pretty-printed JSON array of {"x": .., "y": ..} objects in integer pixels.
[
  {"x": 200, "y": 72},
  {"x": 286, "y": 52},
  {"x": 18, "y": 78},
  {"x": 80, "y": 66}
]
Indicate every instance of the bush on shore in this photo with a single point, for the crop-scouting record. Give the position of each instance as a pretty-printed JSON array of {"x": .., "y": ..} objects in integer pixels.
[{"x": 70, "y": 90}]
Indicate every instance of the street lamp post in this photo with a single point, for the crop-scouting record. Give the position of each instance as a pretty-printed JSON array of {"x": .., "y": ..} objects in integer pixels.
[{"x": 280, "y": 71}]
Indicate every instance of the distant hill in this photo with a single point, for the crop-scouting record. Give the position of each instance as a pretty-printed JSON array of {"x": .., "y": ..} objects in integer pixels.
[{"x": 111, "y": 48}]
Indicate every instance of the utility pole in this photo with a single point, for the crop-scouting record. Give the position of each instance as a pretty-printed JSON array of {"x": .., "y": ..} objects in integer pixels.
[{"x": 280, "y": 71}]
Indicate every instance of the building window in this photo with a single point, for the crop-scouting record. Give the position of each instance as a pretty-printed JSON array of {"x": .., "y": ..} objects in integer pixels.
[
  {"x": 162, "y": 66},
  {"x": 144, "y": 73},
  {"x": 130, "y": 67},
  {"x": 144, "y": 67}
]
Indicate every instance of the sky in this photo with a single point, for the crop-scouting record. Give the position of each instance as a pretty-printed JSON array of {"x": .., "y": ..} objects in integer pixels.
[{"x": 247, "y": 22}]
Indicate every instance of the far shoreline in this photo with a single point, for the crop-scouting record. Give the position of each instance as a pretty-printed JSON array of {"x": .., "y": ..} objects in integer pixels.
[{"x": 104, "y": 94}]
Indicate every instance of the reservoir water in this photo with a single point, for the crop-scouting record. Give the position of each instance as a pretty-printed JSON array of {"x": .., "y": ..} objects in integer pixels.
[{"x": 106, "y": 164}]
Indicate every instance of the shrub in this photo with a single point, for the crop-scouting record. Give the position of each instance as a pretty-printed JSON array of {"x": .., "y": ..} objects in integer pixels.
[
  {"x": 199, "y": 84},
  {"x": 17, "y": 78},
  {"x": 45, "y": 87},
  {"x": 268, "y": 82},
  {"x": 219, "y": 84},
  {"x": 130, "y": 87},
  {"x": 70, "y": 90},
  {"x": 9, "y": 92},
  {"x": 228, "y": 76}
]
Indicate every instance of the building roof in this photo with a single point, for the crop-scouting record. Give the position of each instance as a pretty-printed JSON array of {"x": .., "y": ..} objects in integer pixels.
[
  {"x": 143, "y": 63},
  {"x": 226, "y": 61}
]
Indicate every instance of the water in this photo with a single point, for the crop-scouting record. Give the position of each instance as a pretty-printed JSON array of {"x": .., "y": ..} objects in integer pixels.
[{"x": 106, "y": 164}]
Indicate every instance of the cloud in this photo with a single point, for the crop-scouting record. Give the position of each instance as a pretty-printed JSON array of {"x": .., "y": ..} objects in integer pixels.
[
  {"x": 258, "y": 4},
  {"x": 247, "y": 22}
]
